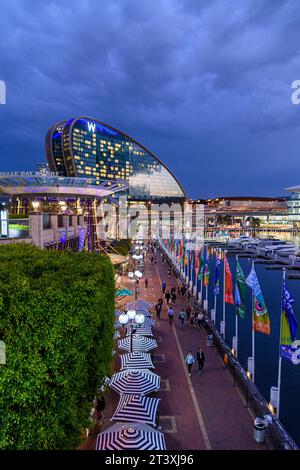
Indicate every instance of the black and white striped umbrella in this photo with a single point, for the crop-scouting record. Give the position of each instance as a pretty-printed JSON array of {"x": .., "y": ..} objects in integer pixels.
[
  {"x": 149, "y": 322},
  {"x": 131, "y": 436},
  {"x": 136, "y": 360},
  {"x": 136, "y": 381},
  {"x": 118, "y": 313},
  {"x": 138, "y": 304},
  {"x": 139, "y": 343},
  {"x": 143, "y": 330},
  {"x": 137, "y": 409},
  {"x": 146, "y": 313}
]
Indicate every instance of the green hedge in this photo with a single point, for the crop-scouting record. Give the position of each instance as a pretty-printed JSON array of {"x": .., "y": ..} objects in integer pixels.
[{"x": 56, "y": 318}]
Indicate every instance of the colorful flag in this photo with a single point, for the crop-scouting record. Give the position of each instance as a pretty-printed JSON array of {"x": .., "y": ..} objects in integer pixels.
[
  {"x": 206, "y": 269},
  {"x": 181, "y": 247},
  {"x": 288, "y": 325},
  {"x": 196, "y": 263},
  {"x": 186, "y": 257},
  {"x": 228, "y": 283},
  {"x": 240, "y": 292},
  {"x": 217, "y": 276},
  {"x": 261, "y": 319},
  {"x": 201, "y": 253}
]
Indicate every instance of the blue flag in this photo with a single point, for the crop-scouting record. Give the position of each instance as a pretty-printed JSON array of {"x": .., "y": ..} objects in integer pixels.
[
  {"x": 288, "y": 326},
  {"x": 217, "y": 277}
]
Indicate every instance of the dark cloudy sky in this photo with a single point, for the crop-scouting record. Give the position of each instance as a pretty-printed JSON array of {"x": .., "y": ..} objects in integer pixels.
[{"x": 205, "y": 84}]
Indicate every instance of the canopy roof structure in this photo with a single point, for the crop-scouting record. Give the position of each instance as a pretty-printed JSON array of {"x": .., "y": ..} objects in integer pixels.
[{"x": 49, "y": 185}]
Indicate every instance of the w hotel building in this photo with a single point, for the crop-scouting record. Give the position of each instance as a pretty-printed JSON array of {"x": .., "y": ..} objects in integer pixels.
[{"x": 85, "y": 147}]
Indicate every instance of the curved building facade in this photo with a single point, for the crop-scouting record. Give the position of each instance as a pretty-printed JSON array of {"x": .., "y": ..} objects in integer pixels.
[{"x": 86, "y": 147}]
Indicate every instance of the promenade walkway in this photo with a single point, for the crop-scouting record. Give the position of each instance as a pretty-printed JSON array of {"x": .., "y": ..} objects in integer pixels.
[{"x": 200, "y": 412}]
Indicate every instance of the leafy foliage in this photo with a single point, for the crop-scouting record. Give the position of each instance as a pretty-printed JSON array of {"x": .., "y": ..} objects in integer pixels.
[
  {"x": 56, "y": 318},
  {"x": 122, "y": 246}
]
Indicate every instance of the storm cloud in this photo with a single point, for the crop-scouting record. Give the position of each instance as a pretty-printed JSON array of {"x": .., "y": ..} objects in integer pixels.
[{"x": 206, "y": 85}]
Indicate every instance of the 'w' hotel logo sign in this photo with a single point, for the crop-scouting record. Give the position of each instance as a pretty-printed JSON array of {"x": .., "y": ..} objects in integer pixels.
[{"x": 2, "y": 92}]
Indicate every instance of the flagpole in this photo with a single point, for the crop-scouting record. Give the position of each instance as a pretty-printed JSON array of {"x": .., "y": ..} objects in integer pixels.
[
  {"x": 224, "y": 296},
  {"x": 280, "y": 358},
  {"x": 236, "y": 321},
  {"x": 253, "y": 332},
  {"x": 215, "y": 308}
]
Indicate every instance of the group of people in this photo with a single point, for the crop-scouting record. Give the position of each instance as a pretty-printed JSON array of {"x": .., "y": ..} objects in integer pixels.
[
  {"x": 190, "y": 360},
  {"x": 187, "y": 316}
]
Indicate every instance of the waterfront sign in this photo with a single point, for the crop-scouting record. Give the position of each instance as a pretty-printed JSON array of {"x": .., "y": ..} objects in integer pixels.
[{"x": 27, "y": 173}]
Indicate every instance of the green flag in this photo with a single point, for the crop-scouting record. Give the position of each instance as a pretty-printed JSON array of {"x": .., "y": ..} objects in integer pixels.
[
  {"x": 201, "y": 264},
  {"x": 240, "y": 292}
]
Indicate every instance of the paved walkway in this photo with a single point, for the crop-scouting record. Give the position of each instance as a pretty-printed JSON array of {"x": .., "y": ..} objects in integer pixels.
[{"x": 198, "y": 412}]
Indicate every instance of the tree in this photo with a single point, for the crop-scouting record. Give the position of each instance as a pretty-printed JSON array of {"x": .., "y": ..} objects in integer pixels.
[{"x": 57, "y": 320}]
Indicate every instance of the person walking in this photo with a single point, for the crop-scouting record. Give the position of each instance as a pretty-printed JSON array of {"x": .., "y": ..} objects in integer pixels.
[
  {"x": 173, "y": 297},
  {"x": 179, "y": 291},
  {"x": 189, "y": 360},
  {"x": 167, "y": 296},
  {"x": 146, "y": 282},
  {"x": 163, "y": 286},
  {"x": 200, "y": 359},
  {"x": 200, "y": 317},
  {"x": 188, "y": 313},
  {"x": 171, "y": 315},
  {"x": 169, "y": 272},
  {"x": 183, "y": 290},
  {"x": 158, "y": 308},
  {"x": 182, "y": 317}
]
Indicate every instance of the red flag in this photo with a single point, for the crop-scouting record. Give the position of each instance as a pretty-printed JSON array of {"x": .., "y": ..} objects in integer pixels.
[
  {"x": 180, "y": 250},
  {"x": 196, "y": 262},
  {"x": 228, "y": 283}
]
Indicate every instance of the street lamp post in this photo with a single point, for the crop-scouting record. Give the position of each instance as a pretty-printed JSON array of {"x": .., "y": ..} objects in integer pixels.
[
  {"x": 131, "y": 317},
  {"x": 136, "y": 275}
]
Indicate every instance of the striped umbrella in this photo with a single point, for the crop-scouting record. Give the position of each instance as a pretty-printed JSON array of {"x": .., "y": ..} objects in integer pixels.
[
  {"x": 144, "y": 312},
  {"x": 136, "y": 408},
  {"x": 130, "y": 436},
  {"x": 136, "y": 360},
  {"x": 136, "y": 304},
  {"x": 143, "y": 330},
  {"x": 139, "y": 343},
  {"x": 136, "y": 381},
  {"x": 118, "y": 313},
  {"x": 149, "y": 322}
]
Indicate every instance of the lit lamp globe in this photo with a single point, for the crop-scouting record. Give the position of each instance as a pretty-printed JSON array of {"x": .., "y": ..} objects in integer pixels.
[
  {"x": 135, "y": 256},
  {"x": 138, "y": 274},
  {"x": 130, "y": 274},
  {"x": 131, "y": 314},
  {"x": 139, "y": 318},
  {"x": 123, "y": 318}
]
